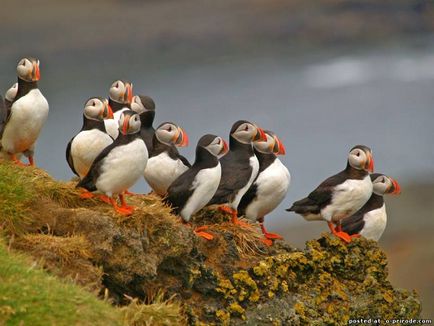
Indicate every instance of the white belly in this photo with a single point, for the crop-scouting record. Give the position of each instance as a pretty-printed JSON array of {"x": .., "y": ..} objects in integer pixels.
[
  {"x": 254, "y": 163},
  {"x": 347, "y": 199},
  {"x": 112, "y": 127},
  {"x": 272, "y": 186},
  {"x": 375, "y": 223},
  {"x": 122, "y": 167},
  {"x": 28, "y": 116},
  {"x": 161, "y": 171},
  {"x": 205, "y": 185},
  {"x": 85, "y": 148}
]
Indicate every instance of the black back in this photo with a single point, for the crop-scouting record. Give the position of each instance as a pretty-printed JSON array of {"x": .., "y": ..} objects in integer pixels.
[
  {"x": 236, "y": 171},
  {"x": 88, "y": 182},
  {"x": 181, "y": 189},
  {"x": 265, "y": 160},
  {"x": 322, "y": 195},
  {"x": 117, "y": 106},
  {"x": 354, "y": 224}
]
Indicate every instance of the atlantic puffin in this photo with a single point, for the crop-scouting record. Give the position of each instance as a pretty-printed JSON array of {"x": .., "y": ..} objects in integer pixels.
[
  {"x": 145, "y": 107},
  {"x": 84, "y": 147},
  {"x": 270, "y": 186},
  {"x": 340, "y": 195},
  {"x": 27, "y": 114},
  {"x": 193, "y": 189},
  {"x": 120, "y": 97},
  {"x": 120, "y": 165},
  {"x": 165, "y": 164},
  {"x": 240, "y": 167},
  {"x": 370, "y": 221}
]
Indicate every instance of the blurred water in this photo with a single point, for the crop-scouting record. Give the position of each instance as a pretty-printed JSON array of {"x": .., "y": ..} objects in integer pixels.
[{"x": 319, "y": 106}]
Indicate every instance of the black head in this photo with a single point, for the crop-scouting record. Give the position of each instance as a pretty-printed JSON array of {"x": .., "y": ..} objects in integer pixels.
[
  {"x": 246, "y": 132},
  {"x": 360, "y": 158},
  {"x": 213, "y": 144},
  {"x": 384, "y": 184},
  {"x": 28, "y": 69}
]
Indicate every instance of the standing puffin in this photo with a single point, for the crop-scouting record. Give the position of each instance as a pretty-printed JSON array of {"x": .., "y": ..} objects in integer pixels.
[
  {"x": 27, "y": 114},
  {"x": 120, "y": 165},
  {"x": 340, "y": 195},
  {"x": 92, "y": 138},
  {"x": 193, "y": 189},
  {"x": 165, "y": 164},
  {"x": 145, "y": 107},
  {"x": 270, "y": 186},
  {"x": 240, "y": 167},
  {"x": 370, "y": 221}
]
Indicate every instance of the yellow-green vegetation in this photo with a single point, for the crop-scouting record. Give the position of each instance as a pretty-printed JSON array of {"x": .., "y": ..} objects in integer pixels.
[{"x": 233, "y": 279}]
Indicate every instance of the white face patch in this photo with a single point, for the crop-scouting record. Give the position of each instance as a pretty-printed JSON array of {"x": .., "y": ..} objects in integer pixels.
[
  {"x": 245, "y": 133},
  {"x": 167, "y": 133},
  {"x": 24, "y": 69}
]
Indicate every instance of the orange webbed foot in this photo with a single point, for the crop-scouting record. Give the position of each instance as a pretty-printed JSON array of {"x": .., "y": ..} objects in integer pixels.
[
  {"x": 105, "y": 199},
  {"x": 344, "y": 236},
  {"x": 273, "y": 236},
  {"x": 86, "y": 195},
  {"x": 205, "y": 235},
  {"x": 355, "y": 236},
  {"x": 267, "y": 242}
]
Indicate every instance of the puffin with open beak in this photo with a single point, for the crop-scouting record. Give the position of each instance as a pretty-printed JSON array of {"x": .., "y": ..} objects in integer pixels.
[
  {"x": 341, "y": 195},
  {"x": 165, "y": 164},
  {"x": 370, "y": 221},
  {"x": 120, "y": 165},
  {"x": 240, "y": 167},
  {"x": 24, "y": 118},
  {"x": 193, "y": 189},
  {"x": 145, "y": 107},
  {"x": 92, "y": 138},
  {"x": 270, "y": 186}
]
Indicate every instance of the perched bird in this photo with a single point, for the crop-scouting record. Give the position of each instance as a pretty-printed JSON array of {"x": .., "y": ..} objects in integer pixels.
[
  {"x": 165, "y": 164},
  {"x": 120, "y": 97},
  {"x": 240, "y": 167},
  {"x": 10, "y": 95},
  {"x": 120, "y": 165},
  {"x": 342, "y": 194},
  {"x": 145, "y": 107},
  {"x": 84, "y": 147},
  {"x": 193, "y": 189},
  {"x": 23, "y": 121},
  {"x": 370, "y": 221},
  {"x": 270, "y": 186}
]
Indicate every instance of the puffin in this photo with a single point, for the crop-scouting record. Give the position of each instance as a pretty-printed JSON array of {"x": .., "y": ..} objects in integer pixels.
[
  {"x": 165, "y": 164},
  {"x": 193, "y": 189},
  {"x": 370, "y": 221},
  {"x": 240, "y": 167},
  {"x": 340, "y": 195},
  {"x": 10, "y": 95},
  {"x": 145, "y": 107},
  {"x": 270, "y": 186},
  {"x": 27, "y": 114},
  {"x": 120, "y": 97},
  {"x": 84, "y": 147},
  {"x": 120, "y": 165}
]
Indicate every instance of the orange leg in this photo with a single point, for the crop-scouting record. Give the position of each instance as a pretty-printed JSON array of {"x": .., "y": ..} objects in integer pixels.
[
  {"x": 355, "y": 236},
  {"x": 16, "y": 161},
  {"x": 31, "y": 161},
  {"x": 269, "y": 235},
  {"x": 105, "y": 199},
  {"x": 199, "y": 230},
  {"x": 129, "y": 193},
  {"x": 234, "y": 215},
  {"x": 85, "y": 194},
  {"x": 339, "y": 233},
  {"x": 124, "y": 209}
]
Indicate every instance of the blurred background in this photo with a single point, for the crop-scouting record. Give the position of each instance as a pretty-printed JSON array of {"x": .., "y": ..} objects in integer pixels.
[{"x": 324, "y": 75}]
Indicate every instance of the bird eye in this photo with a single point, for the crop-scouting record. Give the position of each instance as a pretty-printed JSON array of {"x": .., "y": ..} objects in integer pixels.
[
  {"x": 169, "y": 129},
  {"x": 246, "y": 128},
  {"x": 24, "y": 63},
  {"x": 358, "y": 154},
  {"x": 117, "y": 85}
]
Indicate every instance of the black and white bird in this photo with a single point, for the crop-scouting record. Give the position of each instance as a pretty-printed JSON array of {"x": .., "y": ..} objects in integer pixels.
[
  {"x": 145, "y": 107},
  {"x": 23, "y": 120},
  {"x": 84, "y": 147},
  {"x": 193, "y": 189},
  {"x": 270, "y": 186},
  {"x": 165, "y": 164},
  {"x": 120, "y": 165},
  {"x": 370, "y": 221},
  {"x": 120, "y": 97},
  {"x": 240, "y": 167},
  {"x": 342, "y": 194}
]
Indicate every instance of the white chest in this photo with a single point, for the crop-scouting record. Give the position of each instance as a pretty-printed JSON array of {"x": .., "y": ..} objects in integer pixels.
[
  {"x": 122, "y": 167},
  {"x": 204, "y": 186},
  {"x": 28, "y": 115},
  {"x": 375, "y": 223},
  {"x": 254, "y": 163},
  {"x": 348, "y": 198}
]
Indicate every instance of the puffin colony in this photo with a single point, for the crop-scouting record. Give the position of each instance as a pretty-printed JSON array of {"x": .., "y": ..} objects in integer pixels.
[{"x": 117, "y": 145}]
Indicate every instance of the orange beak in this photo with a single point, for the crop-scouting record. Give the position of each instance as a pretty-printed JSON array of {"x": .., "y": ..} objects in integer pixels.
[
  {"x": 260, "y": 135},
  {"x": 129, "y": 93},
  {"x": 125, "y": 125},
  {"x": 110, "y": 112},
  {"x": 396, "y": 188},
  {"x": 182, "y": 139},
  {"x": 36, "y": 72},
  {"x": 280, "y": 150},
  {"x": 370, "y": 163},
  {"x": 225, "y": 148}
]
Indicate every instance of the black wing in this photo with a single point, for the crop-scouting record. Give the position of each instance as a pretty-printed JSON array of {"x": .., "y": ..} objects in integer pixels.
[
  {"x": 185, "y": 161},
  {"x": 235, "y": 175},
  {"x": 69, "y": 157},
  {"x": 353, "y": 224},
  {"x": 248, "y": 197},
  {"x": 5, "y": 113},
  {"x": 180, "y": 190}
]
